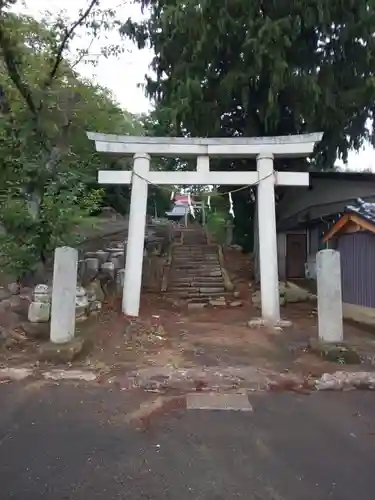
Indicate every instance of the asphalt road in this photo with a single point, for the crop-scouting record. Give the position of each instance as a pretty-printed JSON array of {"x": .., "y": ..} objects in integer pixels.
[{"x": 64, "y": 442}]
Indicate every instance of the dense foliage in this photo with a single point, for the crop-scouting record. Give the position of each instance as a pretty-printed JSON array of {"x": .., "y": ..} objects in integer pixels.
[
  {"x": 265, "y": 67},
  {"x": 48, "y": 167},
  {"x": 262, "y": 67}
]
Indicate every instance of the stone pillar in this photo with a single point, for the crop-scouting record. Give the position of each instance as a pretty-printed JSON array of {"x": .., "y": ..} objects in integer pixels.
[
  {"x": 63, "y": 312},
  {"x": 269, "y": 279},
  {"x": 136, "y": 236},
  {"x": 329, "y": 296}
]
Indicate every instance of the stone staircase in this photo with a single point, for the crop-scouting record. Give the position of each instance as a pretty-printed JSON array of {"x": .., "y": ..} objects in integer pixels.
[{"x": 196, "y": 274}]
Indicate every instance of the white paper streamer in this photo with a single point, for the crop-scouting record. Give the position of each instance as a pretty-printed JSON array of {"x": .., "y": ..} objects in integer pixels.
[
  {"x": 191, "y": 208},
  {"x": 209, "y": 202},
  {"x": 172, "y": 195},
  {"x": 231, "y": 211}
]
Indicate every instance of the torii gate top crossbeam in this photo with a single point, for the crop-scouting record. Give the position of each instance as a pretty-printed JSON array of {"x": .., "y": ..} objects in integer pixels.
[{"x": 245, "y": 147}]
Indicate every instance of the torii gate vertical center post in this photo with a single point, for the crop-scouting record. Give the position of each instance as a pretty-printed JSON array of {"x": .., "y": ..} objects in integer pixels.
[{"x": 263, "y": 148}]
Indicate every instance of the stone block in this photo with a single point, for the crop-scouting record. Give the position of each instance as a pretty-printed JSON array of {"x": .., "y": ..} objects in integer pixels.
[
  {"x": 208, "y": 290},
  {"x": 91, "y": 255},
  {"x": 117, "y": 263},
  {"x": 108, "y": 268},
  {"x": 293, "y": 293},
  {"x": 120, "y": 279},
  {"x": 260, "y": 322},
  {"x": 94, "y": 291},
  {"x": 256, "y": 323},
  {"x": 39, "y": 312},
  {"x": 115, "y": 246},
  {"x": 102, "y": 256},
  {"x": 82, "y": 304},
  {"x": 62, "y": 353},
  {"x": 90, "y": 269},
  {"x": 236, "y": 303},
  {"x": 196, "y": 305},
  {"x": 220, "y": 302},
  {"x": 42, "y": 293},
  {"x": 283, "y": 323},
  {"x": 121, "y": 257},
  {"x": 214, "y": 274}
]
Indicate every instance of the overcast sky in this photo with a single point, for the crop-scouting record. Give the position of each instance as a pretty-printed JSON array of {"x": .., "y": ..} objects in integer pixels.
[{"x": 123, "y": 73}]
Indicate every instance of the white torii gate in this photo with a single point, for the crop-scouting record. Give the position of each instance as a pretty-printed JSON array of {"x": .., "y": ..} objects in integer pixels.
[{"x": 263, "y": 148}]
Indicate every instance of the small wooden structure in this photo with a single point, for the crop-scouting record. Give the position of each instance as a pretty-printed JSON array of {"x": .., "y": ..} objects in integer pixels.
[
  {"x": 354, "y": 236},
  {"x": 181, "y": 208}
]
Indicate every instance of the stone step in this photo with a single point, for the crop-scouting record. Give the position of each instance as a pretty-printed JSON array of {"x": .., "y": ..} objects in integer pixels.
[
  {"x": 200, "y": 290},
  {"x": 194, "y": 277},
  {"x": 178, "y": 250},
  {"x": 195, "y": 259},
  {"x": 195, "y": 269},
  {"x": 195, "y": 295},
  {"x": 195, "y": 274},
  {"x": 196, "y": 256},
  {"x": 192, "y": 246},
  {"x": 198, "y": 280},
  {"x": 199, "y": 269},
  {"x": 189, "y": 286},
  {"x": 192, "y": 254},
  {"x": 195, "y": 263},
  {"x": 202, "y": 249}
]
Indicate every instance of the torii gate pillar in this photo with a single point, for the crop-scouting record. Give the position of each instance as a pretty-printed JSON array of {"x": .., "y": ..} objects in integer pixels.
[
  {"x": 136, "y": 236},
  {"x": 269, "y": 273}
]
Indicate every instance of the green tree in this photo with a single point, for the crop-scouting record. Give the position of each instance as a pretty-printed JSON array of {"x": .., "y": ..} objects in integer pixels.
[
  {"x": 265, "y": 67},
  {"x": 258, "y": 68},
  {"x": 47, "y": 164}
]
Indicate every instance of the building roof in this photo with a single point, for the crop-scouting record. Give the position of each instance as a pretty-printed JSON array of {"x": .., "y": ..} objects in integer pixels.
[
  {"x": 182, "y": 199},
  {"x": 177, "y": 211},
  {"x": 343, "y": 175},
  {"x": 358, "y": 217},
  {"x": 363, "y": 209}
]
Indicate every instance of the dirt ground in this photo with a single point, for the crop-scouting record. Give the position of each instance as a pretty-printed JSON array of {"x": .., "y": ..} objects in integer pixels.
[{"x": 168, "y": 334}]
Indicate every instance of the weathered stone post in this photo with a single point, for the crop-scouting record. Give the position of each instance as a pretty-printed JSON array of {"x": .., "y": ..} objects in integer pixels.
[
  {"x": 329, "y": 296},
  {"x": 63, "y": 311}
]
